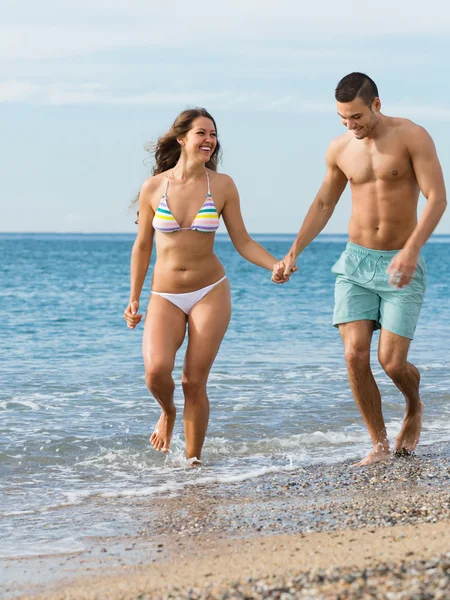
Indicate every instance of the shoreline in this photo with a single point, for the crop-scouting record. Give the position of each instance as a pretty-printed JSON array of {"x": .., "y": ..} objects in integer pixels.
[
  {"x": 319, "y": 562},
  {"x": 315, "y": 527}
]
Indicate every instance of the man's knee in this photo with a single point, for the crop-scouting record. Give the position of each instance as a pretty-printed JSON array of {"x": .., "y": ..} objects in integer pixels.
[
  {"x": 158, "y": 375},
  {"x": 395, "y": 369},
  {"x": 357, "y": 357}
]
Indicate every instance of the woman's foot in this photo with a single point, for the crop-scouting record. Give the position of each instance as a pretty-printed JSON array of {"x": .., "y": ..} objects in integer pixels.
[{"x": 161, "y": 436}]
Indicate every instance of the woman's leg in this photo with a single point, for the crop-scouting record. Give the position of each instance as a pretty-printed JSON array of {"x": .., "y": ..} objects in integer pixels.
[
  {"x": 164, "y": 331},
  {"x": 207, "y": 324}
]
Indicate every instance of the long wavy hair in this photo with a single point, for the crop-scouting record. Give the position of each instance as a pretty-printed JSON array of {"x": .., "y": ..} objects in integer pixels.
[{"x": 167, "y": 150}]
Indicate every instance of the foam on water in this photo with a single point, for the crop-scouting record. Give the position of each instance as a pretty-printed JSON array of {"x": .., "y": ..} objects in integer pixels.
[
  {"x": 76, "y": 415},
  {"x": 324, "y": 438},
  {"x": 67, "y": 545}
]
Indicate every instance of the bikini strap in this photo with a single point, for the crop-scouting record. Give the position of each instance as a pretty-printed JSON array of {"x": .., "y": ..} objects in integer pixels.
[
  {"x": 166, "y": 188},
  {"x": 209, "y": 187}
]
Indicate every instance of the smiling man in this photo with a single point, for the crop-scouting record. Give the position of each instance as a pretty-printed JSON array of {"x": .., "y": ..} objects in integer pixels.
[{"x": 381, "y": 275}]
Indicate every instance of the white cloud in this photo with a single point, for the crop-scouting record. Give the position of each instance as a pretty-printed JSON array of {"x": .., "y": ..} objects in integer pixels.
[
  {"x": 98, "y": 93},
  {"x": 258, "y": 100},
  {"x": 47, "y": 42},
  {"x": 59, "y": 29},
  {"x": 13, "y": 91},
  {"x": 57, "y": 95},
  {"x": 422, "y": 112}
]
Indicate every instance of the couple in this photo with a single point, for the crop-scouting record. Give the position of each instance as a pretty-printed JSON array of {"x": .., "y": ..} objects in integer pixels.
[{"x": 381, "y": 275}]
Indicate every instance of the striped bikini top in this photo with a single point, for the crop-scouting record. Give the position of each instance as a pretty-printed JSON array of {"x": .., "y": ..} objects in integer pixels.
[{"x": 206, "y": 220}]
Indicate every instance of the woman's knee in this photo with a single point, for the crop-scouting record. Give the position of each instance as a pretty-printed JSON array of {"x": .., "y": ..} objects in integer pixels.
[
  {"x": 194, "y": 386},
  {"x": 158, "y": 375}
]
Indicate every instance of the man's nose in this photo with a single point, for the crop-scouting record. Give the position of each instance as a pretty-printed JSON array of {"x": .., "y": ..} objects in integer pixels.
[{"x": 350, "y": 125}]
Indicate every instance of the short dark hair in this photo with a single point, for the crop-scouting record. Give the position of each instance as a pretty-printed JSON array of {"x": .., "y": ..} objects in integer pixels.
[{"x": 356, "y": 85}]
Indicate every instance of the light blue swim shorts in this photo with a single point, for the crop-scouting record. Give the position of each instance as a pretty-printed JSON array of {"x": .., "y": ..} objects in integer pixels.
[{"x": 363, "y": 291}]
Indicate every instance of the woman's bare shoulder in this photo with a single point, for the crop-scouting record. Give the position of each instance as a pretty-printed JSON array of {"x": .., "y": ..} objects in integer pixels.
[
  {"x": 152, "y": 184},
  {"x": 221, "y": 180}
]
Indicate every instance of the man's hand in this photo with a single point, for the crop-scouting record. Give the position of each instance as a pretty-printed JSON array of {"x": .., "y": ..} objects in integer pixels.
[
  {"x": 289, "y": 265},
  {"x": 283, "y": 270},
  {"x": 402, "y": 268}
]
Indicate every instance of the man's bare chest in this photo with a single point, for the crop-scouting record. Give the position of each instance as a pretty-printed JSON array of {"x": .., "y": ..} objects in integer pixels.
[{"x": 363, "y": 165}]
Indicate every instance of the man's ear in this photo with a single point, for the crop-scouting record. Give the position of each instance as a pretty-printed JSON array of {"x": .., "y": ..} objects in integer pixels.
[{"x": 376, "y": 105}]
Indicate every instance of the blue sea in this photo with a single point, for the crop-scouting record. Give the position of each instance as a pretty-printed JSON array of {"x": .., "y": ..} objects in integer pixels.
[{"x": 76, "y": 414}]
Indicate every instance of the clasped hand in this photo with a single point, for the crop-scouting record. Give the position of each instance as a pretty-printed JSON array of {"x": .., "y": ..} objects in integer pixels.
[{"x": 283, "y": 270}]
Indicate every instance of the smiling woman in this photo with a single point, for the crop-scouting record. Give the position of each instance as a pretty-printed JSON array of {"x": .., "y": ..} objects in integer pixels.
[
  {"x": 189, "y": 284},
  {"x": 168, "y": 149}
]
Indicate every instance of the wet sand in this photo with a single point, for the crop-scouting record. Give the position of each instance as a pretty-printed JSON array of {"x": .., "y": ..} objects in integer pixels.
[{"x": 319, "y": 532}]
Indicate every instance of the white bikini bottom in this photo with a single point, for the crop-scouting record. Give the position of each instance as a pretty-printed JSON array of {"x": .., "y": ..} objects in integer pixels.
[{"x": 188, "y": 300}]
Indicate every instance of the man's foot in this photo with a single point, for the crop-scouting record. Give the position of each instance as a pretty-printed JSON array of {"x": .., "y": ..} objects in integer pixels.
[
  {"x": 160, "y": 438},
  {"x": 409, "y": 435},
  {"x": 377, "y": 455}
]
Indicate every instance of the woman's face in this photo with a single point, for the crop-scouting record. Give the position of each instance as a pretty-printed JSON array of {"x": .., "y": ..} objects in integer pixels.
[{"x": 201, "y": 139}]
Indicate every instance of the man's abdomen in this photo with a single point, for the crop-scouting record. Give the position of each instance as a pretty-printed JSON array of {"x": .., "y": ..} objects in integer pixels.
[{"x": 383, "y": 217}]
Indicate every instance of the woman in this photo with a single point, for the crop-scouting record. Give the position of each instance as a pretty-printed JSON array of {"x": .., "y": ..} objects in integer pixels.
[{"x": 180, "y": 207}]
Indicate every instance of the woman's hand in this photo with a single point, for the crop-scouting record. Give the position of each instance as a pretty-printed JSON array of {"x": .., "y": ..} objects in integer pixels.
[
  {"x": 278, "y": 273},
  {"x": 130, "y": 314},
  {"x": 281, "y": 274}
]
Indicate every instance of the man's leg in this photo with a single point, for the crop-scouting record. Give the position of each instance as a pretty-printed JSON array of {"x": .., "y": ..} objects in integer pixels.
[
  {"x": 392, "y": 354},
  {"x": 357, "y": 337}
]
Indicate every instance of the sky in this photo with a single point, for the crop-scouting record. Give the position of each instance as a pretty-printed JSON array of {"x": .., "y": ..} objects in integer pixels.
[{"x": 85, "y": 85}]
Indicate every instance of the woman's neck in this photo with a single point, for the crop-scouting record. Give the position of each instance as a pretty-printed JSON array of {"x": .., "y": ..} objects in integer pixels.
[{"x": 186, "y": 170}]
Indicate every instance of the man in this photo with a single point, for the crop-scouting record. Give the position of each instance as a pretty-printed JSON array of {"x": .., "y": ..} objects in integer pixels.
[{"x": 381, "y": 275}]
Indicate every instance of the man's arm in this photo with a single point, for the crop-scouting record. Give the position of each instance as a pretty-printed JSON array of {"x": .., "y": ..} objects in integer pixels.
[
  {"x": 321, "y": 209},
  {"x": 429, "y": 176},
  {"x": 431, "y": 183}
]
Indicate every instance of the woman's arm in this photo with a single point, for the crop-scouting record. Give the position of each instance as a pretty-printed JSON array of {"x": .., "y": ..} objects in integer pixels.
[
  {"x": 244, "y": 244},
  {"x": 141, "y": 253}
]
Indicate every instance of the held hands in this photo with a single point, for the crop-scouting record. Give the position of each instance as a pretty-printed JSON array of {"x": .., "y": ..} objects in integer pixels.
[
  {"x": 284, "y": 269},
  {"x": 402, "y": 268},
  {"x": 130, "y": 314}
]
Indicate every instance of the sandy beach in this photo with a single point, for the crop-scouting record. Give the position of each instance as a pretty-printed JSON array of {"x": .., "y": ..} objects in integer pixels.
[{"x": 318, "y": 532}]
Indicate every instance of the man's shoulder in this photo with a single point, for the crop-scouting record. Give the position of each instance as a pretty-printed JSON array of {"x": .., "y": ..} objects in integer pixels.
[
  {"x": 336, "y": 146},
  {"x": 407, "y": 128},
  {"x": 341, "y": 140},
  {"x": 414, "y": 136}
]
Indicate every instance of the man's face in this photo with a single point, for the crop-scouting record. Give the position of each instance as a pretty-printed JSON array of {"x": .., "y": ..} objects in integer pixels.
[{"x": 359, "y": 118}]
